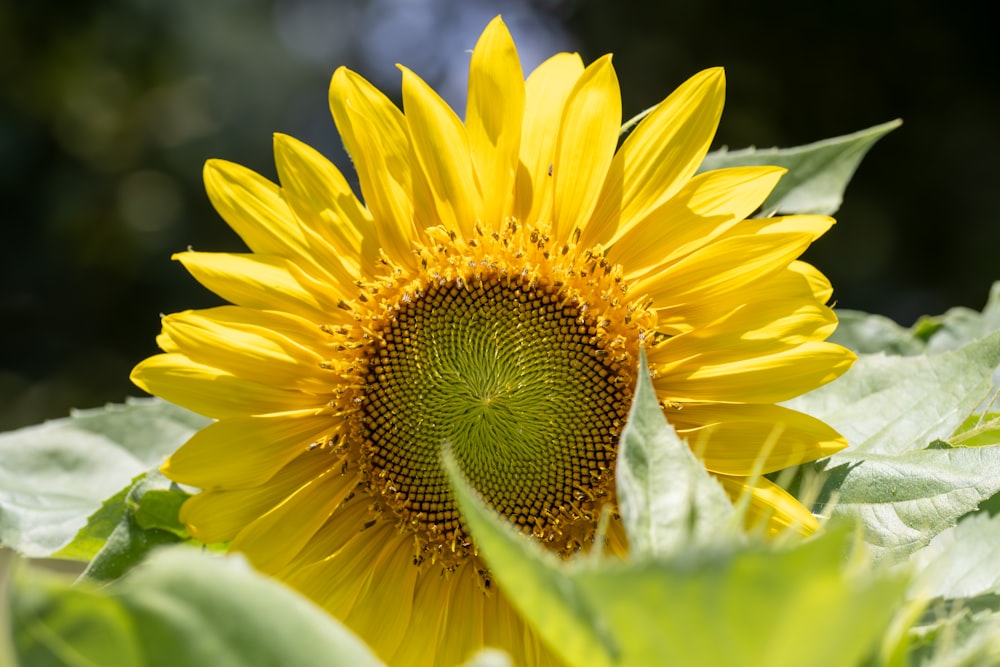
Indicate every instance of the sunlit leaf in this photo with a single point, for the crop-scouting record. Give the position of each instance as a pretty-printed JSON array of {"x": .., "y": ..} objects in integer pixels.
[
  {"x": 745, "y": 605},
  {"x": 905, "y": 500},
  {"x": 159, "y": 509},
  {"x": 538, "y": 587},
  {"x": 866, "y": 333},
  {"x": 98, "y": 528},
  {"x": 55, "y": 475},
  {"x": 818, "y": 173},
  {"x": 964, "y": 561},
  {"x": 149, "y": 520},
  {"x": 667, "y": 500},
  {"x": 978, "y": 431},
  {"x": 960, "y": 325},
  {"x": 887, "y": 405}
]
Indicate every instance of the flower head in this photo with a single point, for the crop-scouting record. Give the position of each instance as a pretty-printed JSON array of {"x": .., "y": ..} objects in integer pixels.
[{"x": 490, "y": 296}]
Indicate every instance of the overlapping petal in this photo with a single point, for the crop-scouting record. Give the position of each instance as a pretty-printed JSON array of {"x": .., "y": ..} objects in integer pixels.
[
  {"x": 771, "y": 507},
  {"x": 265, "y": 282},
  {"x": 219, "y": 515},
  {"x": 212, "y": 392},
  {"x": 375, "y": 134},
  {"x": 546, "y": 92},
  {"x": 493, "y": 118},
  {"x": 732, "y": 439},
  {"x": 274, "y": 538},
  {"x": 585, "y": 147},
  {"x": 659, "y": 156},
  {"x": 441, "y": 147},
  {"x": 246, "y": 347},
  {"x": 714, "y": 375},
  {"x": 325, "y": 204},
  {"x": 708, "y": 206},
  {"x": 264, "y": 444}
]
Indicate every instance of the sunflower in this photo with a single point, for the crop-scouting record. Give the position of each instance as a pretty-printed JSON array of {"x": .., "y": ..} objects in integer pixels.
[{"x": 490, "y": 296}]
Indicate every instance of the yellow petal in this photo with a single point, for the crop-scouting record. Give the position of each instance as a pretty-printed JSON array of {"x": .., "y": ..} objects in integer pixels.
[
  {"x": 493, "y": 118},
  {"x": 253, "y": 207},
  {"x": 375, "y": 135},
  {"x": 223, "y": 339},
  {"x": 336, "y": 582},
  {"x": 709, "y": 205},
  {"x": 588, "y": 135},
  {"x": 217, "y": 516},
  {"x": 716, "y": 375},
  {"x": 384, "y": 625},
  {"x": 464, "y": 617},
  {"x": 324, "y": 202},
  {"x": 274, "y": 538},
  {"x": 815, "y": 225},
  {"x": 418, "y": 647},
  {"x": 441, "y": 146},
  {"x": 730, "y": 437},
  {"x": 266, "y": 282},
  {"x": 771, "y": 506},
  {"x": 347, "y": 521},
  {"x": 820, "y": 285},
  {"x": 546, "y": 92},
  {"x": 256, "y": 209},
  {"x": 722, "y": 268},
  {"x": 505, "y": 629},
  {"x": 774, "y": 293},
  {"x": 660, "y": 155},
  {"x": 241, "y": 452},
  {"x": 214, "y": 393},
  {"x": 302, "y": 332},
  {"x": 764, "y": 327}
]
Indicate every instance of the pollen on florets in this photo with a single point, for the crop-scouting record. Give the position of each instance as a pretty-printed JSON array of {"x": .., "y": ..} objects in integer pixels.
[{"x": 518, "y": 359}]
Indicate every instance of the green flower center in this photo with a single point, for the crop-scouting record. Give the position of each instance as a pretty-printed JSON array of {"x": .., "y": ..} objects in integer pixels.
[{"x": 510, "y": 375}]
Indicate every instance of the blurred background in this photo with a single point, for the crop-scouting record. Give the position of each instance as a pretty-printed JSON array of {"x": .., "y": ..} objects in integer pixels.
[{"x": 109, "y": 109}]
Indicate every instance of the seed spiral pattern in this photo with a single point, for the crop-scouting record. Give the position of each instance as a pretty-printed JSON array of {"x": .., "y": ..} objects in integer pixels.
[{"x": 511, "y": 377}]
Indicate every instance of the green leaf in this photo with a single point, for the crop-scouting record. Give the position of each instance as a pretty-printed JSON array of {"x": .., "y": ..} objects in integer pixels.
[
  {"x": 126, "y": 547},
  {"x": 958, "y": 633},
  {"x": 538, "y": 587},
  {"x": 743, "y": 605},
  {"x": 887, "y": 405},
  {"x": 757, "y": 606},
  {"x": 150, "y": 502},
  {"x": 901, "y": 477},
  {"x": 905, "y": 500},
  {"x": 89, "y": 539},
  {"x": 818, "y": 173},
  {"x": 159, "y": 509},
  {"x": 866, "y": 334},
  {"x": 150, "y": 519},
  {"x": 55, "y": 624},
  {"x": 179, "y": 608},
  {"x": 958, "y": 326},
  {"x": 668, "y": 501},
  {"x": 55, "y": 475},
  {"x": 978, "y": 431},
  {"x": 962, "y": 562}
]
